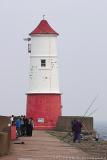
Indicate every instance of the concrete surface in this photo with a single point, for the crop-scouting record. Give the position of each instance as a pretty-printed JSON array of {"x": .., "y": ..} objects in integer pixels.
[{"x": 42, "y": 146}]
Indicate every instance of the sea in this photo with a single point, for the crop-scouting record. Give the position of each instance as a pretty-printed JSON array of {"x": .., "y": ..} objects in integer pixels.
[{"x": 101, "y": 129}]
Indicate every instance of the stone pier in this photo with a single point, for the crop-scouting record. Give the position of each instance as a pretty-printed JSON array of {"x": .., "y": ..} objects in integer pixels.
[{"x": 42, "y": 146}]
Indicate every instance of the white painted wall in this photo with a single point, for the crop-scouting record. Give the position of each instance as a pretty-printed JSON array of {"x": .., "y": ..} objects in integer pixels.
[{"x": 43, "y": 79}]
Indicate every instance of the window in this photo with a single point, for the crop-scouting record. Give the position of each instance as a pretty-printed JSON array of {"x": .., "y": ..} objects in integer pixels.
[
  {"x": 29, "y": 48},
  {"x": 43, "y": 62}
]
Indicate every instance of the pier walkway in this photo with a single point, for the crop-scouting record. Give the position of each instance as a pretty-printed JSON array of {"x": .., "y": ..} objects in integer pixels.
[{"x": 42, "y": 146}]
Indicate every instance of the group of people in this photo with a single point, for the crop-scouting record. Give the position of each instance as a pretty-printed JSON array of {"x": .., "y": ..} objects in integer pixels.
[
  {"x": 24, "y": 125},
  {"x": 76, "y": 126}
]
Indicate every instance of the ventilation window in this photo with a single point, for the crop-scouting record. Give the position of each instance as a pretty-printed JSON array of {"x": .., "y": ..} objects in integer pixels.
[
  {"x": 29, "y": 48},
  {"x": 43, "y": 62}
]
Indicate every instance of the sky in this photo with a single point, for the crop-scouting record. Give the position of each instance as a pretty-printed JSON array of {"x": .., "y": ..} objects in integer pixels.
[{"x": 82, "y": 53}]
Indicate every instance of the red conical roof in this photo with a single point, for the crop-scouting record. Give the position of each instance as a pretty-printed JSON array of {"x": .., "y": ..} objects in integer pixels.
[{"x": 43, "y": 28}]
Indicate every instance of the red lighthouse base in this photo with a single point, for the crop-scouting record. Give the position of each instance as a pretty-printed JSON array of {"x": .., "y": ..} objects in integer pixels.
[{"x": 44, "y": 109}]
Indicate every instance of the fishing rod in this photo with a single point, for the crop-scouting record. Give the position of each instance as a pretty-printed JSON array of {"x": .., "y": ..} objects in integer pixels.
[
  {"x": 82, "y": 120},
  {"x": 93, "y": 112},
  {"x": 93, "y": 101},
  {"x": 85, "y": 125},
  {"x": 91, "y": 104}
]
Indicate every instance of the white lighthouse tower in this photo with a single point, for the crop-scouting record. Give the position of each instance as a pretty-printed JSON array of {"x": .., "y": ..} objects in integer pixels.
[{"x": 43, "y": 97}]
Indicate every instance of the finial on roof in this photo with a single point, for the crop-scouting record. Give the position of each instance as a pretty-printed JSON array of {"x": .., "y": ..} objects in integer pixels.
[{"x": 43, "y": 16}]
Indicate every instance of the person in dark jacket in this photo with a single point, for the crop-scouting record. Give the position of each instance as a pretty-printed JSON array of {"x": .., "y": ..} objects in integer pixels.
[
  {"x": 76, "y": 129},
  {"x": 22, "y": 125},
  {"x": 29, "y": 128},
  {"x": 25, "y": 119}
]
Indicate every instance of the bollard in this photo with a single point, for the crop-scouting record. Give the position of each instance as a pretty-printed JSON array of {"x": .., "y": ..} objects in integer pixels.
[{"x": 13, "y": 132}]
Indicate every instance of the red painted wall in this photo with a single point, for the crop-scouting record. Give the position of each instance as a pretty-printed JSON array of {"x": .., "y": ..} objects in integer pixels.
[{"x": 46, "y": 106}]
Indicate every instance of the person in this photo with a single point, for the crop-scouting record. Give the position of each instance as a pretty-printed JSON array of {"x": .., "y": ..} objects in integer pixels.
[
  {"x": 76, "y": 129},
  {"x": 72, "y": 125},
  {"x": 18, "y": 124},
  {"x": 22, "y": 125},
  {"x": 12, "y": 119},
  {"x": 25, "y": 125},
  {"x": 29, "y": 127}
]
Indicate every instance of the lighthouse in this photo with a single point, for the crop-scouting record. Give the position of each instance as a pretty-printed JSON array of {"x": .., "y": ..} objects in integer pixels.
[{"x": 43, "y": 96}]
